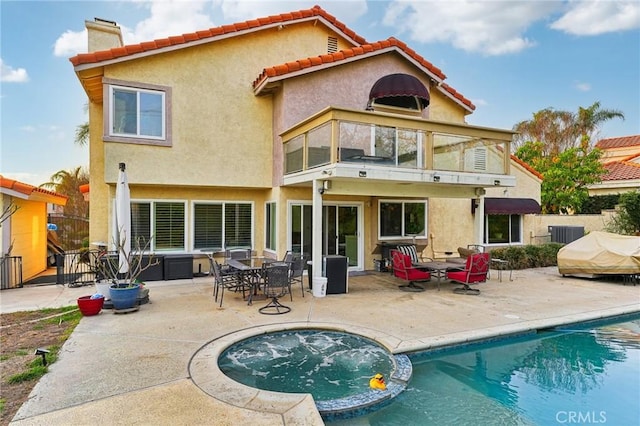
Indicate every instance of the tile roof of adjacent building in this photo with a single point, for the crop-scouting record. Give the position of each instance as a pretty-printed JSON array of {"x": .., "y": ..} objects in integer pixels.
[
  {"x": 619, "y": 142},
  {"x": 132, "y": 49},
  {"x": 28, "y": 191},
  {"x": 527, "y": 167},
  {"x": 621, "y": 170}
]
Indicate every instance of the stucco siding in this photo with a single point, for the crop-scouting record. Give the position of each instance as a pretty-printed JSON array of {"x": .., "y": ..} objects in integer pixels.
[{"x": 29, "y": 236}]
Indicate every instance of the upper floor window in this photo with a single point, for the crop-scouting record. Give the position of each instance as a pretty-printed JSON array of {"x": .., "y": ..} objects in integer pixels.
[
  {"x": 137, "y": 113},
  {"x": 402, "y": 219}
]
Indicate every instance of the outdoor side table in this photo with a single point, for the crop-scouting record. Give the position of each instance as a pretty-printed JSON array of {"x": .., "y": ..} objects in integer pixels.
[{"x": 500, "y": 265}]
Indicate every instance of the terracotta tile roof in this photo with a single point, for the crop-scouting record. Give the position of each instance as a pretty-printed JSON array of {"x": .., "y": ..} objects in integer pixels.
[
  {"x": 527, "y": 167},
  {"x": 619, "y": 142},
  {"x": 132, "y": 49},
  {"x": 621, "y": 170},
  {"x": 29, "y": 190},
  {"x": 347, "y": 54}
]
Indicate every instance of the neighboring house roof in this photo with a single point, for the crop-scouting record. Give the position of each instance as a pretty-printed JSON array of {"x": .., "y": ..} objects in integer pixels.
[
  {"x": 621, "y": 170},
  {"x": 224, "y": 31},
  {"x": 303, "y": 66},
  {"x": 29, "y": 192},
  {"x": 619, "y": 142}
]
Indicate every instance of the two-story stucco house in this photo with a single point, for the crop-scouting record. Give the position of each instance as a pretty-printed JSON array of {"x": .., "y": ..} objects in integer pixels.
[{"x": 292, "y": 132}]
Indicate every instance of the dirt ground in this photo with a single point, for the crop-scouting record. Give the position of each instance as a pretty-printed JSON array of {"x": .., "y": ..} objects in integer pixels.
[{"x": 21, "y": 333}]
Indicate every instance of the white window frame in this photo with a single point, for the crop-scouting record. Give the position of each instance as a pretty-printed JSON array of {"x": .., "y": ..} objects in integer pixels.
[
  {"x": 223, "y": 203},
  {"x": 111, "y": 85},
  {"x": 404, "y": 234},
  {"x": 152, "y": 222},
  {"x": 271, "y": 214},
  {"x": 510, "y": 243}
]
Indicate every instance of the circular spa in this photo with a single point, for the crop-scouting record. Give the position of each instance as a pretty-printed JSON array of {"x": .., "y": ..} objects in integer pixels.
[{"x": 334, "y": 367}]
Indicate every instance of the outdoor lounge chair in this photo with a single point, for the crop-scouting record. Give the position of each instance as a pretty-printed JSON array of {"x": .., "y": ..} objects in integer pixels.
[
  {"x": 403, "y": 269},
  {"x": 474, "y": 272},
  {"x": 276, "y": 284}
]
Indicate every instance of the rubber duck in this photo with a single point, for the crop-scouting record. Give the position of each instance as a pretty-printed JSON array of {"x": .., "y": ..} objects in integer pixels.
[{"x": 377, "y": 382}]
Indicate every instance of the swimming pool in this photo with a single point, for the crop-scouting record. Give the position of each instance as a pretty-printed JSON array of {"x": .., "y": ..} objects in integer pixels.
[{"x": 586, "y": 374}]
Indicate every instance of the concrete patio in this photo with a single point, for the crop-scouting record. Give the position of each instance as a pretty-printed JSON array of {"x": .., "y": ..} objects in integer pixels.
[{"x": 147, "y": 367}]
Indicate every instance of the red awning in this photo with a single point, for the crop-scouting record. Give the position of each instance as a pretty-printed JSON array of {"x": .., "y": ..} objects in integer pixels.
[
  {"x": 399, "y": 85},
  {"x": 510, "y": 206}
]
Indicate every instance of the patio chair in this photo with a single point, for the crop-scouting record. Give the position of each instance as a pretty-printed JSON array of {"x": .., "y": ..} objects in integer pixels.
[
  {"x": 297, "y": 271},
  {"x": 474, "y": 272},
  {"x": 403, "y": 269},
  {"x": 288, "y": 257},
  {"x": 239, "y": 254},
  {"x": 229, "y": 280},
  {"x": 276, "y": 285}
]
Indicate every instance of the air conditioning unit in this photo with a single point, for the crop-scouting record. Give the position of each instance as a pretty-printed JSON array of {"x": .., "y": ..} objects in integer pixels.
[{"x": 565, "y": 234}]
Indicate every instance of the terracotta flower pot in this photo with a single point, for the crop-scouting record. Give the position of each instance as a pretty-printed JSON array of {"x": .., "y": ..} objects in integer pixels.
[{"x": 89, "y": 306}]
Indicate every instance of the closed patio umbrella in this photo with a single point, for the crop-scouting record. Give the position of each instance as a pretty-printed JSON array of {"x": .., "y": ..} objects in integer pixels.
[{"x": 122, "y": 222}]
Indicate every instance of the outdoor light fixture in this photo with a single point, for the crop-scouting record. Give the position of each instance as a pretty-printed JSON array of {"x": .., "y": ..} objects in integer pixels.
[
  {"x": 362, "y": 173},
  {"x": 436, "y": 178},
  {"x": 44, "y": 353},
  {"x": 496, "y": 182}
]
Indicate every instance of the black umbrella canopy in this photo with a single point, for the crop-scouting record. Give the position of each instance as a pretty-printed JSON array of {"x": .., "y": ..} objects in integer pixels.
[{"x": 400, "y": 90}]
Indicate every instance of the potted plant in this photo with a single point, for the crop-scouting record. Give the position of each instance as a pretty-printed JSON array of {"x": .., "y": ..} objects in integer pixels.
[
  {"x": 125, "y": 286},
  {"x": 90, "y": 305}
]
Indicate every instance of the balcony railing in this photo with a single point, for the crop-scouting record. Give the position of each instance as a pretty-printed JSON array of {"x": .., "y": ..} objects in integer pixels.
[{"x": 390, "y": 140}]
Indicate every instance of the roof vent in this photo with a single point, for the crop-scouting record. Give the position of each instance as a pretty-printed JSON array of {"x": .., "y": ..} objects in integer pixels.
[{"x": 332, "y": 44}]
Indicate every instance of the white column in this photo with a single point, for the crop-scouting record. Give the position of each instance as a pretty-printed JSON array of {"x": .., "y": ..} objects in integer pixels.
[
  {"x": 316, "y": 228},
  {"x": 479, "y": 221}
]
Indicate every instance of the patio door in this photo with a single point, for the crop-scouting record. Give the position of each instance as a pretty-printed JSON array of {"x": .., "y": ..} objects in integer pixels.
[{"x": 341, "y": 231}]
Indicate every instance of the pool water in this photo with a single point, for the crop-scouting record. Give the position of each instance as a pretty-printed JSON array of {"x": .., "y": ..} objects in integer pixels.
[
  {"x": 581, "y": 375},
  {"x": 329, "y": 365}
]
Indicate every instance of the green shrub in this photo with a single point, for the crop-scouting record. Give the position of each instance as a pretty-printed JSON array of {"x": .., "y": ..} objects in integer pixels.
[{"x": 529, "y": 256}]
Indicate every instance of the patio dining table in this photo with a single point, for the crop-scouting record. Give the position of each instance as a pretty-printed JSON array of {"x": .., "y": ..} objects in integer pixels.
[
  {"x": 250, "y": 270},
  {"x": 439, "y": 268}
]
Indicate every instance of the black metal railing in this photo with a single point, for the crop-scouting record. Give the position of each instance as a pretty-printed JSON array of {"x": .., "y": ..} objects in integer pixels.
[
  {"x": 76, "y": 268},
  {"x": 72, "y": 231},
  {"x": 10, "y": 272}
]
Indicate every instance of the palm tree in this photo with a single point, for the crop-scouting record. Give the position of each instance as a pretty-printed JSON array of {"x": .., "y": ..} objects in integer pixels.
[
  {"x": 82, "y": 131},
  {"x": 68, "y": 183},
  {"x": 562, "y": 130}
]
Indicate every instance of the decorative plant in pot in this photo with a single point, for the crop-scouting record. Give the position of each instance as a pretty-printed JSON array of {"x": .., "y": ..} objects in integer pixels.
[{"x": 122, "y": 268}]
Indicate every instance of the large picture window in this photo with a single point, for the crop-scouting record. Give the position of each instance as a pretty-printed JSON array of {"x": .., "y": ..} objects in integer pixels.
[
  {"x": 161, "y": 222},
  {"x": 503, "y": 229},
  {"x": 400, "y": 219},
  {"x": 221, "y": 226}
]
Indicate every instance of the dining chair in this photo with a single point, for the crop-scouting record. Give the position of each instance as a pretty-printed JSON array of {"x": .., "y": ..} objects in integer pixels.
[
  {"x": 229, "y": 280},
  {"x": 297, "y": 271},
  {"x": 239, "y": 254},
  {"x": 403, "y": 269},
  {"x": 277, "y": 283}
]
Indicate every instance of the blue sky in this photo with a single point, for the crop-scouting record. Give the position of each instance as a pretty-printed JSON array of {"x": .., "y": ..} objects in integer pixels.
[{"x": 511, "y": 58}]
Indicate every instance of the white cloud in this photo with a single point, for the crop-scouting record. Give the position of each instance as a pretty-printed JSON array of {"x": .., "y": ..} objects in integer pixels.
[
  {"x": 9, "y": 74},
  {"x": 71, "y": 43},
  {"x": 28, "y": 129},
  {"x": 599, "y": 17},
  {"x": 488, "y": 27},
  {"x": 583, "y": 87},
  {"x": 479, "y": 102}
]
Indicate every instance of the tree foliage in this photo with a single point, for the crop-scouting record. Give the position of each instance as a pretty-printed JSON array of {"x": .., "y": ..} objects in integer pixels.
[
  {"x": 565, "y": 175},
  {"x": 67, "y": 182},
  {"x": 558, "y": 144},
  {"x": 560, "y": 130},
  {"x": 627, "y": 219}
]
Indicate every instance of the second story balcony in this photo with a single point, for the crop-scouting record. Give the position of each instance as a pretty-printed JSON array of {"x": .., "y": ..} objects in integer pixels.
[{"x": 343, "y": 144}]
